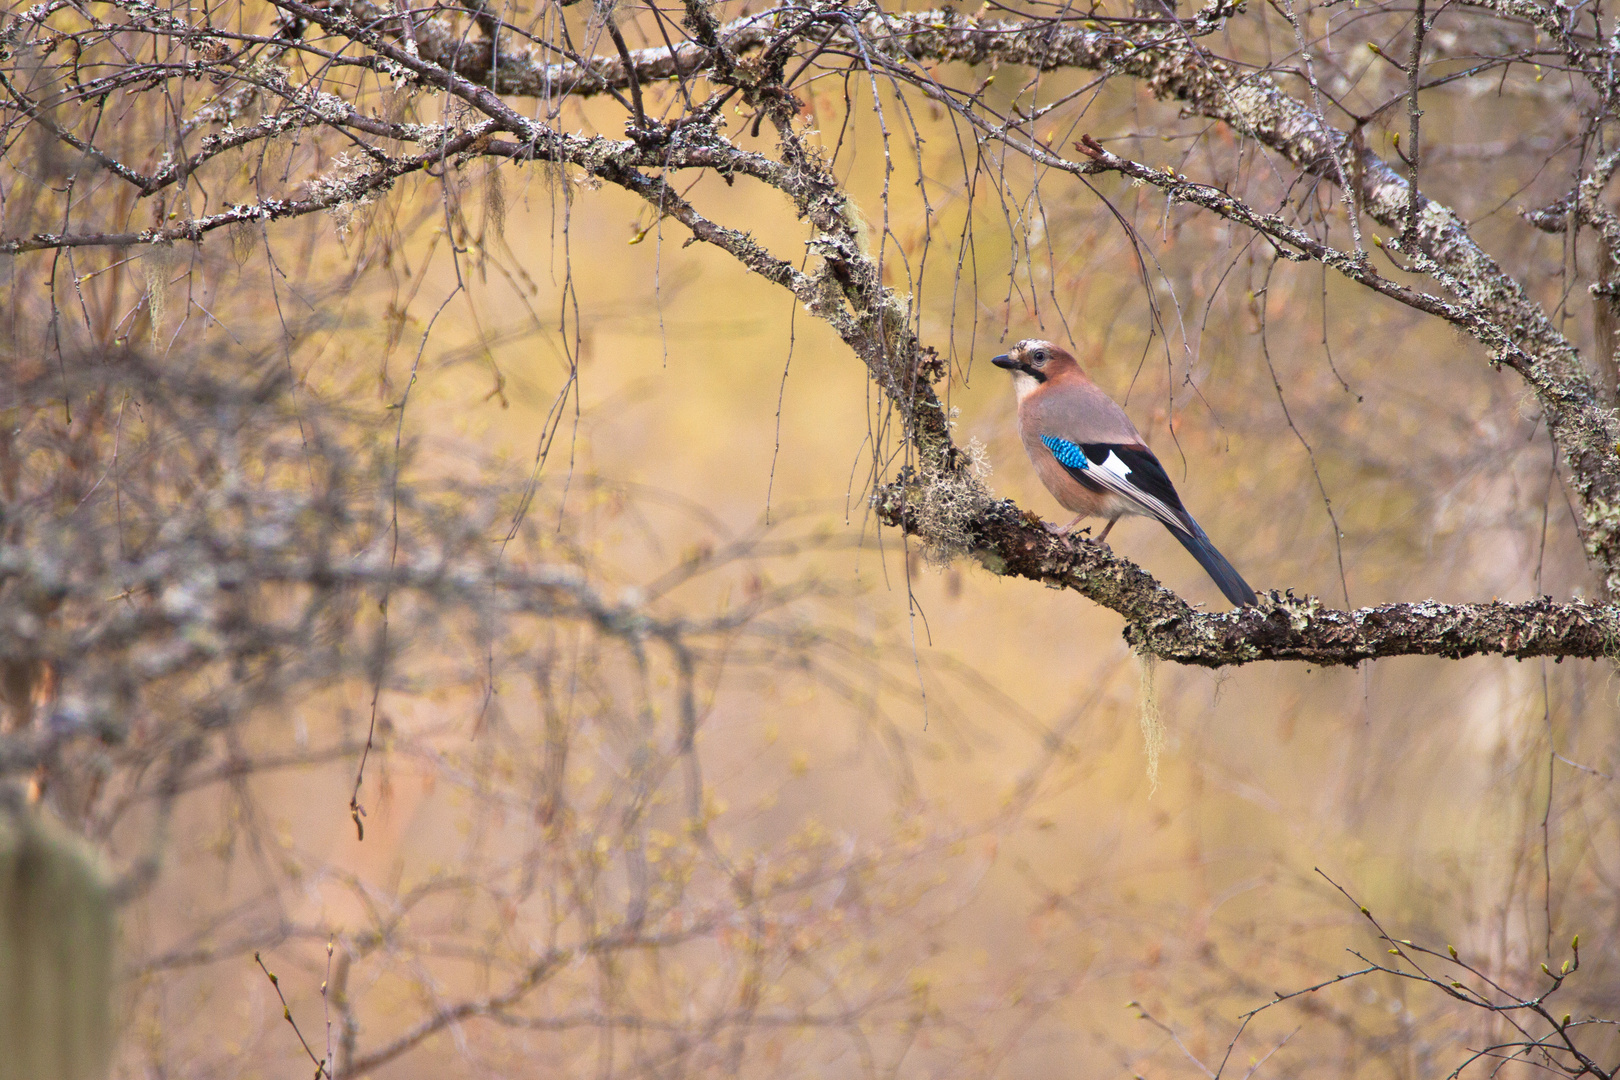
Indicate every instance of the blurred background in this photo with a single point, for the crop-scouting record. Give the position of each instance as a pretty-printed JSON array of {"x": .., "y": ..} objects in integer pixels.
[{"x": 914, "y": 831}]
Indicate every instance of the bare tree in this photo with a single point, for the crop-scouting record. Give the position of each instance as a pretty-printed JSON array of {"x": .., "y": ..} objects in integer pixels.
[
  {"x": 210, "y": 622},
  {"x": 201, "y": 547},
  {"x": 339, "y": 77}
]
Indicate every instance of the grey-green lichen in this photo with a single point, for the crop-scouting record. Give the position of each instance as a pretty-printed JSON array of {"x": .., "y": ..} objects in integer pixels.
[
  {"x": 1151, "y": 718},
  {"x": 949, "y": 502},
  {"x": 1602, "y": 520},
  {"x": 346, "y": 189}
]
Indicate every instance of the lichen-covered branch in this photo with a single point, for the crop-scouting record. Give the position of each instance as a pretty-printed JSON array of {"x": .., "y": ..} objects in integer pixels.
[
  {"x": 471, "y": 58},
  {"x": 872, "y": 319},
  {"x": 1170, "y": 61},
  {"x": 1174, "y": 67},
  {"x": 1010, "y": 542},
  {"x": 534, "y": 70}
]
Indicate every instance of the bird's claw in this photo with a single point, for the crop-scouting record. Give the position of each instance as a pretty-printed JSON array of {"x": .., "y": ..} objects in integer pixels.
[{"x": 1065, "y": 532}]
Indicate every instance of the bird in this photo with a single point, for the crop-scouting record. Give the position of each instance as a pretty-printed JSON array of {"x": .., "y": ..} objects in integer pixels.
[{"x": 1093, "y": 460}]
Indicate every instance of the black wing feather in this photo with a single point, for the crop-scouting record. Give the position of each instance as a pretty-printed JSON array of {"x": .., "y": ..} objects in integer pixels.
[
  {"x": 1146, "y": 475},
  {"x": 1143, "y": 476}
]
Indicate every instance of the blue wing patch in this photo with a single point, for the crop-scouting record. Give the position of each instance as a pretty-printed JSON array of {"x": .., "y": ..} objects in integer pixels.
[{"x": 1068, "y": 454}]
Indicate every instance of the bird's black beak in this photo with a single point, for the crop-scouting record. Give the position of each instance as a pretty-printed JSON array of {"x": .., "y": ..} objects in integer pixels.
[{"x": 1005, "y": 362}]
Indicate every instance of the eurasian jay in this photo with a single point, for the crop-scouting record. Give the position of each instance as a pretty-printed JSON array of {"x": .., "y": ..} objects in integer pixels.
[{"x": 1092, "y": 459}]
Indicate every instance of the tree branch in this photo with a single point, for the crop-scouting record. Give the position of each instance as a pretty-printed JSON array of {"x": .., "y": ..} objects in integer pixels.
[
  {"x": 1174, "y": 67},
  {"x": 1169, "y": 61},
  {"x": 938, "y": 498},
  {"x": 1012, "y": 543}
]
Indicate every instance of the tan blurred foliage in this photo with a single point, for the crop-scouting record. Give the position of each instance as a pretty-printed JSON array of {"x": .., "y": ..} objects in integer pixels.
[{"x": 463, "y": 596}]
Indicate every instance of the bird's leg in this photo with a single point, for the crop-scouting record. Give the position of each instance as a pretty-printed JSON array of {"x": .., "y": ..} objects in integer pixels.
[
  {"x": 1104, "y": 534},
  {"x": 1067, "y": 529}
]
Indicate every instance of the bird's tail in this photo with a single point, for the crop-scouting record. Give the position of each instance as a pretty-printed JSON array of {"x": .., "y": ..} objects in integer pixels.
[{"x": 1229, "y": 580}]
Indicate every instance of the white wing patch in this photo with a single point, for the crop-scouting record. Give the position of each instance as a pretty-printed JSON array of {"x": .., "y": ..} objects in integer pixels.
[
  {"x": 1118, "y": 467},
  {"x": 1114, "y": 474}
]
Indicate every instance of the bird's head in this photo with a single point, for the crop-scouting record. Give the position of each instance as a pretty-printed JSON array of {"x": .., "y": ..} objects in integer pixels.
[{"x": 1033, "y": 362}]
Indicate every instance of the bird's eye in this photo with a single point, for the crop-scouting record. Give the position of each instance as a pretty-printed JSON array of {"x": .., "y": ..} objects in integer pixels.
[{"x": 1039, "y": 356}]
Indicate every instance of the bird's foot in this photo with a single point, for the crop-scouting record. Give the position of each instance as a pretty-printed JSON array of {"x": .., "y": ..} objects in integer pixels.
[{"x": 1070, "y": 533}]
